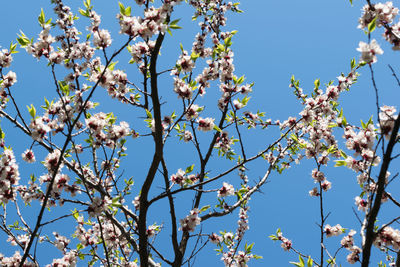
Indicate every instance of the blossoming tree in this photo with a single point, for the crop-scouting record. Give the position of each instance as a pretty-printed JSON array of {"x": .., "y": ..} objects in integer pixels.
[{"x": 79, "y": 151}]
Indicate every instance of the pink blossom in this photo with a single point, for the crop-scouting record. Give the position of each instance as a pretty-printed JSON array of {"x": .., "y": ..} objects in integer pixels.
[
  {"x": 206, "y": 124},
  {"x": 28, "y": 156},
  {"x": 226, "y": 190}
]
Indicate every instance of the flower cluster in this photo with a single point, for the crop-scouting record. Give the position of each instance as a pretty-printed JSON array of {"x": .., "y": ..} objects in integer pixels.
[
  {"x": 182, "y": 178},
  {"x": 348, "y": 241},
  {"x": 52, "y": 160},
  {"x": 152, "y": 229},
  {"x": 39, "y": 128},
  {"x": 141, "y": 49},
  {"x": 239, "y": 259},
  {"x": 99, "y": 122},
  {"x": 85, "y": 237},
  {"x": 369, "y": 51},
  {"x": 386, "y": 118},
  {"x": 183, "y": 90},
  {"x": 184, "y": 64},
  {"x": 15, "y": 260},
  {"x": 286, "y": 243},
  {"x": 102, "y": 38},
  {"x": 386, "y": 237},
  {"x": 69, "y": 259},
  {"x": 61, "y": 241},
  {"x": 30, "y": 192},
  {"x": 28, "y": 156},
  {"x": 192, "y": 112},
  {"x": 210, "y": 73},
  {"x": 206, "y": 124},
  {"x": 243, "y": 223},
  {"x": 98, "y": 205},
  {"x": 9, "y": 80},
  {"x": 5, "y": 58},
  {"x": 115, "y": 81},
  {"x": 385, "y": 14},
  {"x": 189, "y": 223},
  {"x": 187, "y": 136},
  {"x": 361, "y": 204},
  {"x": 216, "y": 239},
  {"x": 354, "y": 256},
  {"x": 9, "y": 176},
  {"x": 319, "y": 177},
  {"x": 333, "y": 230},
  {"x": 226, "y": 190},
  {"x": 223, "y": 142},
  {"x": 152, "y": 23}
]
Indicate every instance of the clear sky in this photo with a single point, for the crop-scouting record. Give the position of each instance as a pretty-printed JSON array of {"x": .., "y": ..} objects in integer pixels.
[{"x": 276, "y": 39}]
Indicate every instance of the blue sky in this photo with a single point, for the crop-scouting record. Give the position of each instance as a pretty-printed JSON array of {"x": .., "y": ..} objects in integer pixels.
[{"x": 276, "y": 39}]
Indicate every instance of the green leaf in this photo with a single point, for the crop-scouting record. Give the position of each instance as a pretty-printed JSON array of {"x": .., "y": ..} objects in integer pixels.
[
  {"x": 194, "y": 56},
  {"x": 301, "y": 260},
  {"x": 344, "y": 121},
  {"x": 309, "y": 262},
  {"x": 300, "y": 263},
  {"x": 112, "y": 65},
  {"x": 317, "y": 83},
  {"x": 149, "y": 115},
  {"x": 13, "y": 47},
  {"x": 86, "y": 3},
  {"x": 245, "y": 100},
  {"x": 128, "y": 11},
  {"x": 41, "y": 18},
  {"x": 273, "y": 237},
  {"x": 351, "y": 2},
  {"x": 75, "y": 214},
  {"x": 116, "y": 204},
  {"x": 220, "y": 48},
  {"x": 217, "y": 128},
  {"x": 83, "y": 12},
  {"x": 248, "y": 248},
  {"x": 228, "y": 41},
  {"x": 64, "y": 87},
  {"x": 2, "y": 134},
  {"x": 240, "y": 80},
  {"x": 23, "y": 40},
  {"x": 353, "y": 62},
  {"x": 372, "y": 25},
  {"x": 174, "y": 21},
  {"x": 340, "y": 163},
  {"x": 121, "y": 8},
  {"x": 296, "y": 264},
  {"x": 189, "y": 169},
  {"x": 169, "y": 31},
  {"x": 173, "y": 24},
  {"x": 175, "y": 27},
  {"x": 32, "y": 110},
  {"x": 205, "y": 208},
  {"x": 369, "y": 122}
]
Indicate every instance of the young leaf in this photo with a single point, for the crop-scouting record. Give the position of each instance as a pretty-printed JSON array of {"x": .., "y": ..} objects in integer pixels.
[
  {"x": 309, "y": 262},
  {"x": 372, "y": 25},
  {"x": 41, "y": 18},
  {"x": 205, "y": 208},
  {"x": 217, "y": 128},
  {"x": 189, "y": 169}
]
